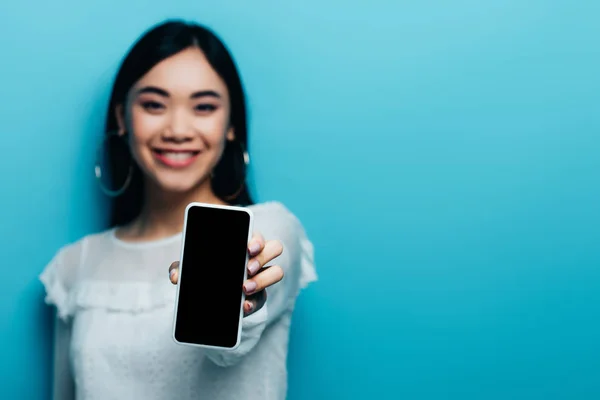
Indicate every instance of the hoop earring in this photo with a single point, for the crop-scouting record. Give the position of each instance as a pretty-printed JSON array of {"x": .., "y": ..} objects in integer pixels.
[
  {"x": 240, "y": 160},
  {"x": 98, "y": 169},
  {"x": 246, "y": 158}
]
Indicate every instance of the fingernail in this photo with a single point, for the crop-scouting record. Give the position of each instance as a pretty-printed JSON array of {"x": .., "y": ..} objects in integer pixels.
[
  {"x": 250, "y": 286},
  {"x": 250, "y": 306},
  {"x": 172, "y": 273},
  {"x": 254, "y": 248},
  {"x": 253, "y": 266}
]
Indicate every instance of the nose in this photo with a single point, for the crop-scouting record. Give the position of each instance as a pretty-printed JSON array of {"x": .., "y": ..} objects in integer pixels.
[{"x": 180, "y": 127}]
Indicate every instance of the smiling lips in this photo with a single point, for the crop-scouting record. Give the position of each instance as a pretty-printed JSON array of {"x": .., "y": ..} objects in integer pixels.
[{"x": 176, "y": 158}]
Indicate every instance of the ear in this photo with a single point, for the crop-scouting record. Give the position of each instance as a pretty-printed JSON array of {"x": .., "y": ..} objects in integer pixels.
[
  {"x": 230, "y": 134},
  {"x": 120, "y": 117}
]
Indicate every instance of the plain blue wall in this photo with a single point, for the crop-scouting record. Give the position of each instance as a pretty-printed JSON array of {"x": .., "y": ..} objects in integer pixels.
[{"x": 443, "y": 157}]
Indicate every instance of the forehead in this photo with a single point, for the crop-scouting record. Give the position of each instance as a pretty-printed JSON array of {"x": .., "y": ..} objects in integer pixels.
[{"x": 184, "y": 73}]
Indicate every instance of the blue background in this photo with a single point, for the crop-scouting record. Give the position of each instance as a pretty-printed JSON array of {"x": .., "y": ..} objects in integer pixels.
[{"x": 443, "y": 157}]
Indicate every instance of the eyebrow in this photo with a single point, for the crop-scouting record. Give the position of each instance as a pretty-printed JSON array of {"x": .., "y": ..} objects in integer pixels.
[{"x": 164, "y": 93}]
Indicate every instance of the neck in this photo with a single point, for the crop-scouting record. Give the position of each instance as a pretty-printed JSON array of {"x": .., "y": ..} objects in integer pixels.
[{"x": 163, "y": 212}]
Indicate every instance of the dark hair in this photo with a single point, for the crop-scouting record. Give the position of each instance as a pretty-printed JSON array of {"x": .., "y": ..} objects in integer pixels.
[{"x": 158, "y": 43}]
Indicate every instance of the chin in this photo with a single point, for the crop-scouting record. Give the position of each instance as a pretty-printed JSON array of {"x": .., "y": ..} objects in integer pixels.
[
  {"x": 176, "y": 182},
  {"x": 178, "y": 186}
]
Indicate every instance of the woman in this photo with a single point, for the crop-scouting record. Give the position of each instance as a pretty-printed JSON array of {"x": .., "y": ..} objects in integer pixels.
[{"x": 176, "y": 133}]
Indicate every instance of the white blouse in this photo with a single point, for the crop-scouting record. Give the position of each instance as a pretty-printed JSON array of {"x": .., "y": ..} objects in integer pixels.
[{"x": 115, "y": 308}]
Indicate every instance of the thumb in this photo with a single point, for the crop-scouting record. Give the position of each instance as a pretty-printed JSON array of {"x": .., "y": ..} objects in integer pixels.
[{"x": 174, "y": 272}]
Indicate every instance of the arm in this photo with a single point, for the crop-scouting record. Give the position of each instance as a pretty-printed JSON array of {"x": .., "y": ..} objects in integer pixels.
[
  {"x": 63, "y": 387},
  {"x": 295, "y": 260}
]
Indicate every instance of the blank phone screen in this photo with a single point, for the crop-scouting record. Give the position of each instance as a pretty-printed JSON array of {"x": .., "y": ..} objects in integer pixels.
[{"x": 211, "y": 276}]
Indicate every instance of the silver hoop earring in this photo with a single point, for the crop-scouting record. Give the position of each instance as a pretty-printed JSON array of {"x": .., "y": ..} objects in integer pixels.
[
  {"x": 100, "y": 153},
  {"x": 229, "y": 175},
  {"x": 245, "y": 154}
]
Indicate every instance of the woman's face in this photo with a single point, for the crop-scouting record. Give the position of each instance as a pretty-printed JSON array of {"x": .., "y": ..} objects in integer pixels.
[{"x": 177, "y": 116}]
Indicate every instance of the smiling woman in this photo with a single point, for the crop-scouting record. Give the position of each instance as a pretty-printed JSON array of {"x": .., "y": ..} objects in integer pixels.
[
  {"x": 177, "y": 98},
  {"x": 178, "y": 133},
  {"x": 188, "y": 84}
]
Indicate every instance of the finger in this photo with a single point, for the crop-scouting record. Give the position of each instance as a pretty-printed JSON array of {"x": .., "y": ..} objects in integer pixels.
[
  {"x": 256, "y": 245},
  {"x": 271, "y": 250},
  {"x": 254, "y": 302},
  {"x": 174, "y": 272},
  {"x": 267, "y": 277}
]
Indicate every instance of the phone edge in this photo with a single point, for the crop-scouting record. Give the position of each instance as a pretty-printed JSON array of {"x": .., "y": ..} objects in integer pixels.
[{"x": 181, "y": 252}]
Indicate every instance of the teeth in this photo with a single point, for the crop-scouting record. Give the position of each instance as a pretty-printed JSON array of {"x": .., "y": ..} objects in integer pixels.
[{"x": 178, "y": 156}]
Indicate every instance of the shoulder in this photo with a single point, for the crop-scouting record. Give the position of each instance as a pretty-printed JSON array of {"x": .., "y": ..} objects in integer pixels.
[
  {"x": 275, "y": 218},
  {"x": 67, "y": 260},
  {"x": 73, "y": 252},
  {"x": 274, "y": 221},
  {"x": 273, "y": 212}
]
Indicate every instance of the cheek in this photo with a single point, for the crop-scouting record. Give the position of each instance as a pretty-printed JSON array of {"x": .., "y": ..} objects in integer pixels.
[
  {"x": 212, "y": 129},
  {"x": 140, "y": 129},
  {"x": 145, "y": 126}
]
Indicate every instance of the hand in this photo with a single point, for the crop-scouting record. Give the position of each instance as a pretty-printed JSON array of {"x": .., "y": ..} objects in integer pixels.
[{"x": 260, "y": 277}]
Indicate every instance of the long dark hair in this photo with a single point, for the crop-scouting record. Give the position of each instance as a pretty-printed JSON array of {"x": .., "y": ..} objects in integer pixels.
[{"x": 158, "y": 43}]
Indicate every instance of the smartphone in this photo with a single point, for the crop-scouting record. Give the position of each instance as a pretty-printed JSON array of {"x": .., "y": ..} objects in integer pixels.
[{"x": 212, "y": 270}]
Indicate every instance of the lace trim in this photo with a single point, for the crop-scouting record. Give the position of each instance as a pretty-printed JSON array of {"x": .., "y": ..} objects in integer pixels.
[
  {"x": 132, "y": 297},
  {"x": 135, "y": 297},
  {"x": 55, "y": 292}
]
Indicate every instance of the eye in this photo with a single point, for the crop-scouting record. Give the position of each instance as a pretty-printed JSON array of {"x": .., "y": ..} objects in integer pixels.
[
  {"x": 152, "y": 106},
  {"x": 205, "y": 108}
]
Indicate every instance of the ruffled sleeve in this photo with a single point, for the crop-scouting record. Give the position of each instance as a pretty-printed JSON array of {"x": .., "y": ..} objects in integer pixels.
[
  {"x": 275, "y": 222},
  {"x": 58, "y": 277}
]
